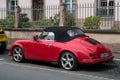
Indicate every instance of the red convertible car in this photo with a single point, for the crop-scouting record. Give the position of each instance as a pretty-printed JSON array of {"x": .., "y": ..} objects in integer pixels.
[{"x": 68, "y": 46}]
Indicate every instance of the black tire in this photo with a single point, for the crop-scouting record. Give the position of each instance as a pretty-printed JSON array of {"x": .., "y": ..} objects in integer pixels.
[
  {"x": 68, "y": 61},
  {"x": 17, "y": 54},
  {"x": 3, "y": 49}
]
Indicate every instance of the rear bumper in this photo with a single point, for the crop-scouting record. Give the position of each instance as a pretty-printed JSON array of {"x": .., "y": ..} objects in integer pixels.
[{"x": 95, "y": 61}]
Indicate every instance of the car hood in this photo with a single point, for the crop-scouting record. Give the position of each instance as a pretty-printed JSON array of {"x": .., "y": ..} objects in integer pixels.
[{"x": 23, "y": 41}]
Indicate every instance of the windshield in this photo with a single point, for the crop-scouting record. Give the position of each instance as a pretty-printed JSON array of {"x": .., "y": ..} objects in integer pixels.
[{"x": 75, "y": 32}]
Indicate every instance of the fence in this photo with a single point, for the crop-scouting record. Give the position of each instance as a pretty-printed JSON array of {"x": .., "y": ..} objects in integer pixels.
[{"x": 85, "y": 16}]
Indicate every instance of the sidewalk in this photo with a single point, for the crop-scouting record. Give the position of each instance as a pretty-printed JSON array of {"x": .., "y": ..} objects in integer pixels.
[{"x": 117, "y": 55}]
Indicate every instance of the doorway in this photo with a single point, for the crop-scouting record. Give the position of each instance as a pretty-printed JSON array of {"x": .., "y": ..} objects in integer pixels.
[{"x": 37, "y": 9}]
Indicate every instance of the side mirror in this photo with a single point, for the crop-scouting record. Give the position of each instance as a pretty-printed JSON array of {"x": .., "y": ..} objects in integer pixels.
[{"x": 35, "y": 38}]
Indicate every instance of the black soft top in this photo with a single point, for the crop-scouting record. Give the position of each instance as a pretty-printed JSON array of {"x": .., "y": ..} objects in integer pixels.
[
  {"x": 61, "y": 33},
  {"x": 62, "y": 29}
]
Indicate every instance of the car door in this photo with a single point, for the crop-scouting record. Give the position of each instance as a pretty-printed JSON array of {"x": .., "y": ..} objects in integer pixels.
[
  {"x": 45, "y": 50},
  {"x": 41, "y": 49}
]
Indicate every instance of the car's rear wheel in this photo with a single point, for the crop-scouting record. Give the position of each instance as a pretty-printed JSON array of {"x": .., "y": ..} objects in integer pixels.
[
  {"x": 17, "y": 54},
  {"x": 68, "y": 61}
]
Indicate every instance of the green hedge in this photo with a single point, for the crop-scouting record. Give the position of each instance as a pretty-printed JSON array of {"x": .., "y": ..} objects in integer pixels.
[
  {"x": 92, "y": 22},
  {"x": 10, "y": 19},
  {"x": 54, "y": 21}
]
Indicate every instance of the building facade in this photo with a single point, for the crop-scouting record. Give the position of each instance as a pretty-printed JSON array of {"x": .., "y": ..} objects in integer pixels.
[{"x": 107, "y": 10}]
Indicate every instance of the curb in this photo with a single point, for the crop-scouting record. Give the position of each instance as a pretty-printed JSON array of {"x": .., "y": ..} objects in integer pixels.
[{"x": 116, "y": 59}]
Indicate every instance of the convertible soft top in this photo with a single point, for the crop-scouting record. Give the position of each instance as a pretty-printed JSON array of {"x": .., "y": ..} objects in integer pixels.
[
  {"x": 61, "y": 33},
  {"x": 59, "y": 29}
]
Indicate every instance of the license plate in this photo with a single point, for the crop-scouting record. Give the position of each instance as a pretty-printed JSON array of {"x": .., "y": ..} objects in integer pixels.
[{"x": 104, "y": 55}]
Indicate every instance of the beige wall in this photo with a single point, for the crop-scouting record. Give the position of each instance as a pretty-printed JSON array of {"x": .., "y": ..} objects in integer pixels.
[
  {"x": 26, "y": 6},
  {"x": 25, "y": 3},
  {"x": 3, "y": 7},
  {"x": 3, "y": 3},
  {"x": 117, "y": 10},
  {"x": 86, "y": 1},
  {"x": 52, "y": 5},
  {"x": 110, "y": 40},
  {"x": 51, "y": 2},
  {"x": 83, "y": 10}
]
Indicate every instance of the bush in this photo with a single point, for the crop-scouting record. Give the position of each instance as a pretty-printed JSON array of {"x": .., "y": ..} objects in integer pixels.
[
  {"x": 49, "y": 22},
  {"x": 92, "y": 22},
  {"x": 10, "y": 19},
  {"x": 56, "y": 19},
  {"x": 44, "y": 22},
  {"x": 24, "y": 21},
  {"x": 70, "y": 21},
  {"x": 8, "y": 22}
]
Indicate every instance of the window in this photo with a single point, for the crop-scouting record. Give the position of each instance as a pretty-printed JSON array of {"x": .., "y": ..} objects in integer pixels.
[
  {"x": 11, "y": 5},
  {"x": 75, "y": 32},
  {"x": 47, "y": 36},
  {"x": 105, "y": 8},
  {"x": 70, "y": 5}
]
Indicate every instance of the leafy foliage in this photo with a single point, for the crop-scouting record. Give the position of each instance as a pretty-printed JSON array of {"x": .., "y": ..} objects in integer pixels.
[
  {"x": 92, "y": 22},
  {"x": 24, "y": 21},
  {"x": 45, "y": 22},
  {"x": 10, "y": 19},
  {"x": 70, "y": 21},
  {"x": 8, "y": 22},
  {"x": 54, "y": 21}
]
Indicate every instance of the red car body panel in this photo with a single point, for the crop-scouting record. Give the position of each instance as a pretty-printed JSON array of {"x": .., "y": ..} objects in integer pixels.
[
  {"x": 84, "y": 48},
  {"x": 47, "y": 50}
]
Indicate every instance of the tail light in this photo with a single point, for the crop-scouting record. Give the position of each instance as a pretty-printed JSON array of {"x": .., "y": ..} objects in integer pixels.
[{"x": 92, "y": 55}]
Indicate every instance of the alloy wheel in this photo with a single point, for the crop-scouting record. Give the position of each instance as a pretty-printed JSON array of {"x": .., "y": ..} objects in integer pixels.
[
  {"x": 17, "y": 54},
  {"x": 68, "y": 61}
]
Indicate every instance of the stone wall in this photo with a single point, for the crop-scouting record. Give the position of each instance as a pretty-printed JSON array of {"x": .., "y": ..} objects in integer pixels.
[{"x": 112, "y": 40}]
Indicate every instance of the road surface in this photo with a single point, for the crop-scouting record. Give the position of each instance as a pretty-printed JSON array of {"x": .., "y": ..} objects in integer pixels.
[{"x": 32, "y": 70}]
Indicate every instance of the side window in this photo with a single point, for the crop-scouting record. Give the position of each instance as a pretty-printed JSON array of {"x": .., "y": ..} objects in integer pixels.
[{"x": 47, "y": 36}]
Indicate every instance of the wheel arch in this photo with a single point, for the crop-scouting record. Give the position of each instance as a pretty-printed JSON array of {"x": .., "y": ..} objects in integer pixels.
[
  {"x": 63, "y": 51},
  {"x": 22, "y": 54},
  {"x": 17, "y": 45}
]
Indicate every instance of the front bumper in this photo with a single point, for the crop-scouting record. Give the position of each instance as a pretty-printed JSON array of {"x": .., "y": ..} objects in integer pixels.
[{"x": 95, "y": 61}]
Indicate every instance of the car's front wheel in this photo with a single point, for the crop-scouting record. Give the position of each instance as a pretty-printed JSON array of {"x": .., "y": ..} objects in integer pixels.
[
  {"x": 17, "y": 54},
  {"x": 68, "y": 61}
]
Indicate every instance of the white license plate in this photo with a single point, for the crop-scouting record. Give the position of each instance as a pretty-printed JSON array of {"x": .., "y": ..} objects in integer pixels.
[{"x": 104, "y": 55}]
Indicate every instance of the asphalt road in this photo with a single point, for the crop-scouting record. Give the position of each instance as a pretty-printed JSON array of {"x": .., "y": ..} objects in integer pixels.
[{"x": 32, "y": 70}]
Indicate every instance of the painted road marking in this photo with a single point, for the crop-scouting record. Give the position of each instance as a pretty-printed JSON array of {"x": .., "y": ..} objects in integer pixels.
[
  {"x": 2, "y": 59},
  {"x": 116, "y": 59},
  {"x": 67, "y": 72}
]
